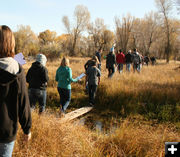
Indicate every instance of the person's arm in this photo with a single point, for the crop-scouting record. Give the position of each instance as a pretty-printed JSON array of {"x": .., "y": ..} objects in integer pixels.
[
  {"x": 98, "y": 75},
  {"x": 24, "y": 108},
  {"x": 124, "y": 59},
  {"x": 57, "y": 78},
  {"x": 28, "y": 76},
  {"x": 27, "y": 137},
  {"x": 98, "y": 80},
  {"x": 86, "y": 79},
  {"x": 70, "y": 76},
  {"x": 114, "y": 58},
  {"x": 86, "y": 66},
  {"x": 44, "y": 75}
]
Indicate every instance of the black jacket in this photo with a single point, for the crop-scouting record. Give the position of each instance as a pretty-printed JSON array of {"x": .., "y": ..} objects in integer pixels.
[
  {"x": 14, "y": 105},
  {"x": 110, "y": 60},
  {"x": 37, "y": 76},
  {"x": 128, "y": 58}
]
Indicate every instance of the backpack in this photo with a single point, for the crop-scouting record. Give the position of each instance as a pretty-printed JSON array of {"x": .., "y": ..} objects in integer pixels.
[{"x": 136, "y": 59}]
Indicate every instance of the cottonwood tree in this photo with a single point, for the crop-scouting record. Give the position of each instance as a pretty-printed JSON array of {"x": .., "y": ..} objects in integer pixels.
[
  {"x": 96, "y": 30},
  {"x": 47, "y": 37},
  {"x": 49, "y": 45},
  {"x": 175, "y": 39},
  {"x": 145, "y": 32},
  {"x": 74, "y": 29},
  {"x": 123, "y": 30},
  {"x": 107, "y": 40},
  {"x": 165, "y": 8},
  {"x": 150, "y": 30},
  {"x": 26, "y": 41}
]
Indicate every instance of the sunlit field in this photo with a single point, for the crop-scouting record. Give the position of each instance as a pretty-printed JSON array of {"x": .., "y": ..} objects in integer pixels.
[{"x": 138, "y": 113}]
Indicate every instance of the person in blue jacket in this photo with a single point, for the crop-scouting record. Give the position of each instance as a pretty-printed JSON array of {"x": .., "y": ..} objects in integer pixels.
[{"x": 64, "y": 79}]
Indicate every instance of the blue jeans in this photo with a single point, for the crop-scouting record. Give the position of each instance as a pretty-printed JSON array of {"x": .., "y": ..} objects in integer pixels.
[
  {"x": 139, "y": 67},
  {"x": 37, "y": 95},
  {"x": 6, "y": 149},
  {"x": 128, "y": 67},
  {"x": 92, "y": 93},
  {"x": 136, "y": 67},
  {"x": 65, "y": 97},
  {"x": 120, "y": 68}
]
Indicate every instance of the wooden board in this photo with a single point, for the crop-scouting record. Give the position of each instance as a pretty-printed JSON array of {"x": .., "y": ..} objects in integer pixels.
[{"x": 74, "y": 114}]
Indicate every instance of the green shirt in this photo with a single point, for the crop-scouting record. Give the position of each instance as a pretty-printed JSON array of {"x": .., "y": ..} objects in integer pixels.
[{"x": 64, "y": 77}]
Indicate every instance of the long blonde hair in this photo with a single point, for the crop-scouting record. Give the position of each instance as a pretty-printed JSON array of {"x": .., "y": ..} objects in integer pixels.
[
  {"x": 65, "y": 62},
  {"x": 7, "y": 42}
]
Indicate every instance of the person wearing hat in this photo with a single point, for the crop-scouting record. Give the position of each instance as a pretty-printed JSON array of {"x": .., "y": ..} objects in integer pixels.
[
  {"x": 37, "y": 77},
  {"x": 111, "y": 62}
]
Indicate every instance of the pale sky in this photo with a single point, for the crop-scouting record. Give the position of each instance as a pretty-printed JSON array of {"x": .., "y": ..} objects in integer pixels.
[{"x": 47, "y": 14}]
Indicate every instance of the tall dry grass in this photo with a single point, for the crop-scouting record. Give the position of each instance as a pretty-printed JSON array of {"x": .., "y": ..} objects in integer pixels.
[
  {"x": 131, "y": 138},
  {"x": 139, "y": 103}
]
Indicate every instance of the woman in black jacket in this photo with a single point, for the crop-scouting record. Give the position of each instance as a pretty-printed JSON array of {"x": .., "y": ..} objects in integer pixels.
[{"x": 14, "y": 101}]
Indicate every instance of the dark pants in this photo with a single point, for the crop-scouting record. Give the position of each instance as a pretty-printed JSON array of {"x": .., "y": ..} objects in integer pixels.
[
  {"x": 37, "y": 95},
  {"x": 136, "y": 67},
  {"x": 120, "y": 68},
  {"x": 99, "y": 66},
  {"x": 65, "y": 98},
  {"x": 111, "y": 71},
  {"x": 92, "y": 93}
]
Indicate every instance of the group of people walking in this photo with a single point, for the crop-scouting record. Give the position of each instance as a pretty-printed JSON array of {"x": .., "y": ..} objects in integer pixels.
[
  {"x": 17, "y": 102},
  {"x": 120, "y": 59}
]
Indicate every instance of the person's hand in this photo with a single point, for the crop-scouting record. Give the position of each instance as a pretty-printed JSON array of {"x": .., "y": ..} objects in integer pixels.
[{"x": 27, "y": 137}]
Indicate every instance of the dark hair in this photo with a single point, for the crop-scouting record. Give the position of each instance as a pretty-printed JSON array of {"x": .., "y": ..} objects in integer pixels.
[{"x": 7, "y": 42}]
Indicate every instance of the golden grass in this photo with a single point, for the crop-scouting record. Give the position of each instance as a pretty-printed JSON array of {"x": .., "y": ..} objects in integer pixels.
[{"x": 133, "y": 136}]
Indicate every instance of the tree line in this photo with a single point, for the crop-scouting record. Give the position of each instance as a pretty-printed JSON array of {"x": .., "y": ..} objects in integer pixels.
[{"x": 156, "y": 34}]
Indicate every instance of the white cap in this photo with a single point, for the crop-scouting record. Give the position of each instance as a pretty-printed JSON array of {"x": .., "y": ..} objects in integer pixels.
[{"x": 41, "y": 59}]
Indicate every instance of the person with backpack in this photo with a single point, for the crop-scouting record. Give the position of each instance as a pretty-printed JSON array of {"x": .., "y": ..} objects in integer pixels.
[
  {"x": 136, "y": 61},
  {"x": 14, "y": 100},
  {"x": 93, "y": 78},
  {"x": 111, "y": 63},
  {"x": 128, "y": 60},
  {"x": 37, "y": 78},
  {"x": 88, "y": 64},
  {"x": 120, "y": 60}
]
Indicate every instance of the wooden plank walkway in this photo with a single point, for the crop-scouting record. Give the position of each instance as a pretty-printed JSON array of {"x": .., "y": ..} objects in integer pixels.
[{"x": 74, "y": 114}]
